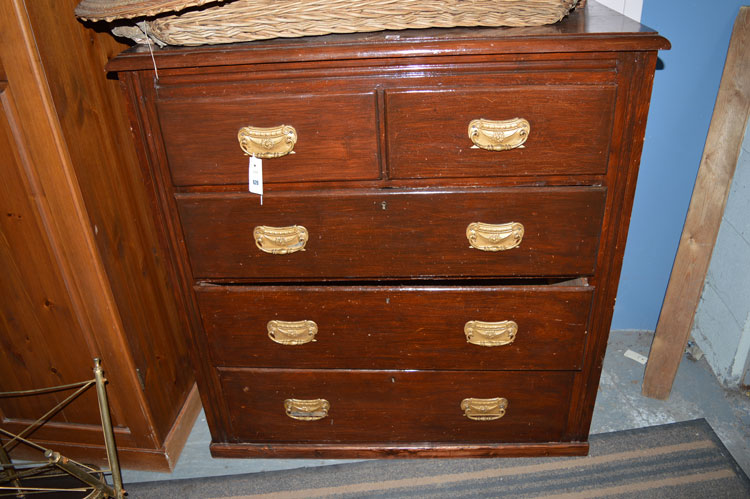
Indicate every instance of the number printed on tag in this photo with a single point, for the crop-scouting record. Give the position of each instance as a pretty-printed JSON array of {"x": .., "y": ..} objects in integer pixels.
[{"x": 255, "y": 177}]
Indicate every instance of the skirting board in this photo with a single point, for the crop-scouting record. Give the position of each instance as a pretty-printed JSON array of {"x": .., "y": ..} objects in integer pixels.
[
  {"x": 380, "y": 451},
  {"x": 163, "y": 459}
]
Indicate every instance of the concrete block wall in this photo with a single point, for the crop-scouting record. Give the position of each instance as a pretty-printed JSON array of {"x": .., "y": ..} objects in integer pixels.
[{"x": 722, "y": 322}]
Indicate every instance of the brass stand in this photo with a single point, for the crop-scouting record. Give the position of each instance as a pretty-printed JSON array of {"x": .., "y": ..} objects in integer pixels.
[{"x": 92, "y": 479}]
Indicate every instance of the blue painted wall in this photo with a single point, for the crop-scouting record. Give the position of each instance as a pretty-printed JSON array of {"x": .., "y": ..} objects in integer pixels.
[{"x": 681, "y": 106}]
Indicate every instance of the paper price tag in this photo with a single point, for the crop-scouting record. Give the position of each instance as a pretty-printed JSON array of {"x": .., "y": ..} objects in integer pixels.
[{"x": 255, "y": 177}]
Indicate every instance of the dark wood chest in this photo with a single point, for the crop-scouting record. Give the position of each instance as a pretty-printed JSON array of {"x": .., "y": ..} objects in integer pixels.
[{"x": 433, "y": 268}]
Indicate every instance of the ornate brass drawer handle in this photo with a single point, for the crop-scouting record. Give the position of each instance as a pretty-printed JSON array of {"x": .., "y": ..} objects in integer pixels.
[
  {"x": 306, "y": 410},
  {"x": 292, "y": 332},
  {"x": 499, "y": 135},
  {"x": 494, "y": 237},
  {"x": 280, "y": 240},
  {"x": 484, "y": 409},
  {"x": 490, "y": 334},
  {"x": 267, "y": 142}
]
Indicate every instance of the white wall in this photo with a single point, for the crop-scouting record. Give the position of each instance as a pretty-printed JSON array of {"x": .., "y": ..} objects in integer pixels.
[
  {"x": 722, "y": 321},
  {"x": 631, "y": 8}
]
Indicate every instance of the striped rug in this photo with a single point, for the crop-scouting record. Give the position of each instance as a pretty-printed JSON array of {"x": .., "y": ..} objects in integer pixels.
[{"x": 681, "y": 460}]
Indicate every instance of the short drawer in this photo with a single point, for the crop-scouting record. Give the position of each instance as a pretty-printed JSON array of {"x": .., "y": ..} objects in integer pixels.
[
  {"x": 388, "y": 327},
  {"x": 561, "y": 130},
  {"x": 201, "y": 137},
  {"x": 394, "y": 233},
  {"x": 395, "y": 406}
]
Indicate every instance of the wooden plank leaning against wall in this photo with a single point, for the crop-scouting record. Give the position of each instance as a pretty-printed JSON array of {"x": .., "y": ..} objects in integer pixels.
[
  {"x": 85, "y": 266},
  {"x": 706, "y": 209}
]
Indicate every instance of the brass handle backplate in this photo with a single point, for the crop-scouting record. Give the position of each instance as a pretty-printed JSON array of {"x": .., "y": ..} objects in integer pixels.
[
  {"x": 267, "y": 142},
  {"x": 306, "y": 410},
  {"x": 292, "y": 332},
  {"x": 484, "y": 409},
  {"x": 499, "y": 135},
  {"x": 280, "y": 240},
  {"x": 490, "y": 334},
  {"x": 494, "y": 237}
]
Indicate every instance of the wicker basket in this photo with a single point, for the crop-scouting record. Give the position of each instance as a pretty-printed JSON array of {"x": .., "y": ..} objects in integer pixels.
[
  {"x": 111, "y": 10},
  {"x": 246, "y": 20}
]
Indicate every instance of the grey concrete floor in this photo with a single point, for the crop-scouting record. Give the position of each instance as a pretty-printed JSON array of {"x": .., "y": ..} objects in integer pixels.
[
  {"x": 619, "y": 406},
  {"x": 696, "y": 393}
]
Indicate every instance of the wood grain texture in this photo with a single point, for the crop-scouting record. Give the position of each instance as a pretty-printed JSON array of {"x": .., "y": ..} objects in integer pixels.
[
  {"x": 91, "y": 114},
  {"x": 394, "y": 233},
  {"x": 175, "y": 441},
  {"x": 90, "y": 445},
  {"x": 140, "y": 91},
  {"x": 707, "y": 203},
  {"x": 428, "y": 136},
  {"x": 201, "y": 114},
  {"x": 375, "y": 450},
  {"x": 389, "y": 253},
  {"x": 87, "y": 275},
  {"x": 397, "y": 406},
  {"x": 50, "y": 184},
  {"x": 384, "y": 183},
  {"x": 384, "y": 327},
  {"x": 200, "y": 135},
  {"x": 636, "y": 72},
  {"x": 592, "y": 28},
  {"x": 33, "y": 303}
]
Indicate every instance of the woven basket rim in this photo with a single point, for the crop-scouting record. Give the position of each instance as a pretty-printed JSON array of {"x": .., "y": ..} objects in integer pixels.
[
  {"x": 241, "y": 20},
  {"x": 110, "y": 10}
]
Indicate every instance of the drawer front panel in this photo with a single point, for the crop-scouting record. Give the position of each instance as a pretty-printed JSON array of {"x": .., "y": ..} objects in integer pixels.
[
  {"x": 393, "y": 233},
  {"x": 200, "y": 136},
  {"x": 569, "y": 129},
  {"x": 368, "y": 327},
  {"x": 394, "y": 406}
]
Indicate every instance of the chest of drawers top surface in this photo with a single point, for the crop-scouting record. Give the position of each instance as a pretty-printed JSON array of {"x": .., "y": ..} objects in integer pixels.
[
  {"x": 592, "y": 28},
  {"x": 444, "y": 225}
]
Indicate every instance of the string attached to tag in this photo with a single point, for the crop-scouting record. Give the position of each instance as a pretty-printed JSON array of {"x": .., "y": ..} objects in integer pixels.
[
  {"x": 143, "y": 26},
  {"x": 255, "y": 177}
]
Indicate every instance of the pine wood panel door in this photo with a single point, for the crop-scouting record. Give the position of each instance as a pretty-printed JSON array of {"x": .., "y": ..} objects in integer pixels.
[
  {"x": 82, "y": 272},
  {"x": 39, "y": 332},
  {"x": 53, "y": 292}
]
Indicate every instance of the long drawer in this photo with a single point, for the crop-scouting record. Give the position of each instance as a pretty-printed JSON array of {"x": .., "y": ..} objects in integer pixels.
[
  {"x": 388, "y": 327},
  {"x": 394, "y": 233},
  {"x": 395, "y": 406}
]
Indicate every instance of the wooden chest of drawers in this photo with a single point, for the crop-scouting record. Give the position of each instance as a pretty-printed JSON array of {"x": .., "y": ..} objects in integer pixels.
[{"x": 433, "y": 268}]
